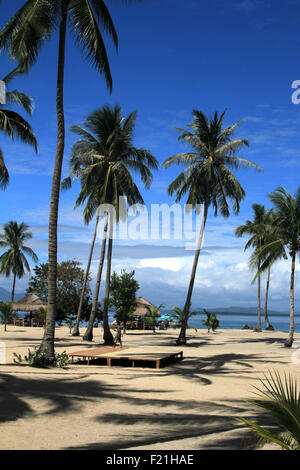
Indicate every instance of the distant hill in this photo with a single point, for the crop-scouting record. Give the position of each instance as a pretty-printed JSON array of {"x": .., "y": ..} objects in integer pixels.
[
  {"x": 5, "y": 296},
  {"x": 241, "y": 311},
  {"x": 247, "y": 311}
]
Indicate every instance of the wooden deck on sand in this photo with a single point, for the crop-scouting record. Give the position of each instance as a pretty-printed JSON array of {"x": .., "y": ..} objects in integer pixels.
[{"x": 133, "y": 355}]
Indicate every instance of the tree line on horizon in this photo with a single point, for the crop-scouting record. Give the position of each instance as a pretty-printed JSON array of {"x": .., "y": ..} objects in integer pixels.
[{"x": 105, "y": 162}]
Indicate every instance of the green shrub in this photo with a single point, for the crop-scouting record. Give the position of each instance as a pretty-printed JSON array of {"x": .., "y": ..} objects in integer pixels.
[
  {"x": 211, "y": 322},
  {"x": 38, "y": 359}
]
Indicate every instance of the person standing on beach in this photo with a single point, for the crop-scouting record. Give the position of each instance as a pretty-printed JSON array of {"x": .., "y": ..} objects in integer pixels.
[{"x": 118, "y": 337}]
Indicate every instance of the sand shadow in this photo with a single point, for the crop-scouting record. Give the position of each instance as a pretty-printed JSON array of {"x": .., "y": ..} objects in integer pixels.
[{"x": 207, "y": 419}]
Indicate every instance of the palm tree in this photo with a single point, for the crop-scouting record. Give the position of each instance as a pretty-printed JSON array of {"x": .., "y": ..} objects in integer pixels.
[
  {"x": 6, "y": 314},
  {"x": 287, "y": 239},
  {"x": 23, "y": 36},
  {"x": 281, "y": 401},
  {"x": 211, "y": 322},
  {"x": 258, "y": 231},
  {"x": 103, "y": 159},
  {"x": 13, "y": 261},
  {"x": 208, "y": 178},
  {"x": 258, "y": 257},
  {"x": 12, "y": 124},
  {"x": 66, "y": 184},
  {"x": 151, "y": 320},
  {"x": 178, "y": 316}
]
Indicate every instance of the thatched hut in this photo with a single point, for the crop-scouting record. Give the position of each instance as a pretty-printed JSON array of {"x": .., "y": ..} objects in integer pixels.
[
  {"x": 140, "y": 312},
  {"x": 142, "y": 308},
  {"x": 32, "y": 304}
]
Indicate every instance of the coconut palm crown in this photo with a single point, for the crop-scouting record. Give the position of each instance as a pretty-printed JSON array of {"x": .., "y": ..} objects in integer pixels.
[
  {"x": 208, "y": 177},
  {"x": 13, "y": 260},
  {"x": 13, "y": 124},
  {"x": 104, "y": 158}
]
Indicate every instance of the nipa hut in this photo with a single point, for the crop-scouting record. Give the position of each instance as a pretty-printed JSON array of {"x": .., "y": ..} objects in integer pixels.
[
  {"x": 141, "y": 310},
  {"x": 32, "y": 304}
]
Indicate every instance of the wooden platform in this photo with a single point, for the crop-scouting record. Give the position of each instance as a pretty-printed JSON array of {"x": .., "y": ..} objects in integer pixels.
[{"x": 133, "y": 355}]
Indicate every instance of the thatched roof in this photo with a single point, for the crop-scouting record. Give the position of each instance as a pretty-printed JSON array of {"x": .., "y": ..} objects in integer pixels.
[
  {"x": 141, "y": 309},
  {"x": 30, "y": 303}
]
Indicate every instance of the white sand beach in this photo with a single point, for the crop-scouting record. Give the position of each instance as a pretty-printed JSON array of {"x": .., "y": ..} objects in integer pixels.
[{"x": 189, "y": 405}]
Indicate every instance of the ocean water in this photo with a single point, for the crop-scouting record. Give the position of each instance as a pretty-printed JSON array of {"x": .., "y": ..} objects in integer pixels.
[
  {"x": 233, "y": 321},
  {"x": 236, "y": 322}
]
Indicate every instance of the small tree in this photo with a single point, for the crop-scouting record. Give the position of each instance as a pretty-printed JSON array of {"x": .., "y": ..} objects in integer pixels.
[
  {"x": 151, "y": 320},
  {"x": 123, "y": 290},
  {"x": 42, "y": 313},
  {"x": 179, "y": 317},
  {"x": 211, "y": 322},
  {"x": 69, "y": 322},
  {"x": 6, "y": 313},
  {"x": 70, "y": 277}
]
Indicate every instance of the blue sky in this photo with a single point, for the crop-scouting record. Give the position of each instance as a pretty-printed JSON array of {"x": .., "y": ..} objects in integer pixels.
[{"x": 174, "y": 56}]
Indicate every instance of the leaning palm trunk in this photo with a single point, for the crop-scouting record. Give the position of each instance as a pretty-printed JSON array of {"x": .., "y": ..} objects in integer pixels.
[
  {"x": 47, "y": 345},
  {"x": 13, "y": 288},
  {"x": 107, "y": 336},
  {"x": 268, "y": 325},
  {"x": 258, "y": 326},
  {"x": 88, "y": 336},
  {"x": 182, "y": 335},
  {"x": 75, "y": 331},
  {"x": 290, "y": 339}
]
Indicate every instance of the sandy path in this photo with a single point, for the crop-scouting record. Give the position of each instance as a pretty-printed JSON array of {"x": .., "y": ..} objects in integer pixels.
[{"x": 189, "y": 405}]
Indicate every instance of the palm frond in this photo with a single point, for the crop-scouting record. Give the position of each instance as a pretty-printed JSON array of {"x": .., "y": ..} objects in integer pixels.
[
  {"x": 14, "y": 126},
  {"x": 4, "y": 175},
  {"x": 280, "y": 399},
  {"x": 84, "y": 23},
  {"x": 26, "y": 32},
  {"x": 16, "y": 97}
]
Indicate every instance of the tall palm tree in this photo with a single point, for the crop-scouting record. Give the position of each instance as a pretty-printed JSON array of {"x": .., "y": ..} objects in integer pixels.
[
  {"x": 13, "y": 124},
  {"x": 258, "y": 229},
  {"x": 23, "y": 36},
  {"x": 66, "y": 184},
  {"x": 13, "y": 260},
  {"x": 287, "y": 238},
  {"x": 208, "y": 178},
  {"x": 103, "y": 159},
  {"x": 258, "y": 257}
]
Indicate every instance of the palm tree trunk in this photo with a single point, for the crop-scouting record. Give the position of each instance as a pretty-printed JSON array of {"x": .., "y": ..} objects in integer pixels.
[
  {"x": 13, "y": 288},
  {"x": 88, "y": 336},
  {"x": 258, "y": 326},
  {"x": 182, "y": 335},
  {"x": 107, "y": 336},
  {"x": 75, "y": 331},
  {"x": 47, "y": 345},
  {"x": 268, "y": 325},
  {"x": 290, "y": 339}
]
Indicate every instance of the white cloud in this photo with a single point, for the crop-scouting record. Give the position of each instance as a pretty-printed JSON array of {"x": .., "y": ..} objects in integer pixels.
[{"x": 169, "y": 264}]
